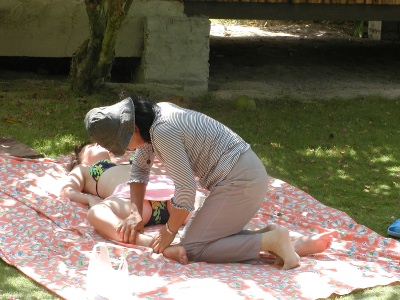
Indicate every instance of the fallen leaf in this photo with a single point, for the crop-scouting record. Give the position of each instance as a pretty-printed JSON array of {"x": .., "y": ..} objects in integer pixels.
[{"x": 11, "y": 121}]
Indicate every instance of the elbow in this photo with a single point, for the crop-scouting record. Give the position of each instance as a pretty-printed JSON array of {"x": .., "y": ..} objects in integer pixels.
[{"x": 65, "y": 192}]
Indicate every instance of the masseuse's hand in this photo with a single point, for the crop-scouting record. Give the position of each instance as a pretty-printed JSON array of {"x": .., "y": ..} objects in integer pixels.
[
  {"x": 162, "y": 240},
  {"x": 130, "y": 227}
]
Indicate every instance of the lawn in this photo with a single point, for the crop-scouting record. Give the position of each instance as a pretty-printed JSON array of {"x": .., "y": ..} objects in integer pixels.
[{"x": 343, "y": 152}]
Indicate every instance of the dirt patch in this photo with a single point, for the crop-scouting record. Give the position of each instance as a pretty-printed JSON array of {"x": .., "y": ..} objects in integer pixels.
[{"x": 303, "y": 61}]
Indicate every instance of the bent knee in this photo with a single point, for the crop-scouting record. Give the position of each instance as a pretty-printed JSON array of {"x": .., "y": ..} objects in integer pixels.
[
  {"x": 91, "y": 214},
  {"x": 95, "y": 212}
]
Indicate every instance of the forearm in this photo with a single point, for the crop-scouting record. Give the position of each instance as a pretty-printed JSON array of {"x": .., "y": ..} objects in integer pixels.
[
  {"x": 177, "y": 218},
  {"x": 138, "y": 191},
  {"x": 75, "y": 196}
]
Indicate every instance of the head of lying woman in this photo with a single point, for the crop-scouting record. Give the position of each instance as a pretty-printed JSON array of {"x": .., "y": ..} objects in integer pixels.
[{"x": 89, "y": 153}]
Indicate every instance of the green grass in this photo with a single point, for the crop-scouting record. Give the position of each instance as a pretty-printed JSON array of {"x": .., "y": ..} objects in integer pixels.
[{"x": 343, "y": 152}]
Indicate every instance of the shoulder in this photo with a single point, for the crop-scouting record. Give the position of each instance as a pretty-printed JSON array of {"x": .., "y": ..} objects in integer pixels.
[
  {"x": 168, "y": 108},
  {"x": 79, "y": 170}
]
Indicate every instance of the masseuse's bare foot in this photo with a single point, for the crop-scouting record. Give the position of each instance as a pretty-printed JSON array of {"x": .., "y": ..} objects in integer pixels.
[
  {"x": 177, "y": 253},
  {"x": 278, "y": 242},
  {"x": 303, "y": 244},
  {"x": 311, "y": 244}
]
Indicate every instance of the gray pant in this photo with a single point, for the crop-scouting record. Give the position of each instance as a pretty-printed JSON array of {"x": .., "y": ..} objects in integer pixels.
[{"x": 213, "y": 233}]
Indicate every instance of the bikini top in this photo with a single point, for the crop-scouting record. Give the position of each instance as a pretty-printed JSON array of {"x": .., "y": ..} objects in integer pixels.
[{"x": 97, "y": 169}]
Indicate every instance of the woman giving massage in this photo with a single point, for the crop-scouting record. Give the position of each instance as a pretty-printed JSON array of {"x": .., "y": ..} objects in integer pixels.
[
  {"x": 191, "y": 146},
  {"x": 95, "y": 174}
]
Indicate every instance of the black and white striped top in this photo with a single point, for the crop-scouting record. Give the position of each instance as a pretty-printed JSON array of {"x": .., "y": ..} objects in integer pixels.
[{"x": 189, "y": 144}]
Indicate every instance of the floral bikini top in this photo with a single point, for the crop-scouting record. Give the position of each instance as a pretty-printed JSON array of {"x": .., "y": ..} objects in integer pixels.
[{"x": 97, "y": 169}]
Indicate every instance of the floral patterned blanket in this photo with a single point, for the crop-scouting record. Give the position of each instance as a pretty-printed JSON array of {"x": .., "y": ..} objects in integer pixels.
[{"x": 49, "y": 239}]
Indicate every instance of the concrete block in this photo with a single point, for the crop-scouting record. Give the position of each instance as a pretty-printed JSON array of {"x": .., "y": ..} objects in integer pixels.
[
  {"x": 384, "y": 30},
  {"x": 176, "y": 51}
]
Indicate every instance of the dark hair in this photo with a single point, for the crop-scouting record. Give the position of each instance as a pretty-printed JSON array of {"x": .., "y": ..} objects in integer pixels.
[
  {"x": 76, "y": 157},
  {"x": 145, "y": 113}
]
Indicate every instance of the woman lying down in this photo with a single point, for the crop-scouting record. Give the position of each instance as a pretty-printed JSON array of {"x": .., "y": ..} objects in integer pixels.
[{"x": 94, "y": 173}]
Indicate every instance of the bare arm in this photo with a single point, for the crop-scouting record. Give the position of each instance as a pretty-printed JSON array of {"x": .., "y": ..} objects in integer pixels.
[
  {"x": 74, "y": 186},
  {"x": 138, "y": 191}
]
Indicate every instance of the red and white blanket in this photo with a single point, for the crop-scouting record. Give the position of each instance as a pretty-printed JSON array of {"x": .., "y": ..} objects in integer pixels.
[{"x": 49, "y": 239}]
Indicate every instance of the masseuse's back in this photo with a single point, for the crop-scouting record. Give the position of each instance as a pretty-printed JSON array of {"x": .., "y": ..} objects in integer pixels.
[{"x": 209, "y": 144}]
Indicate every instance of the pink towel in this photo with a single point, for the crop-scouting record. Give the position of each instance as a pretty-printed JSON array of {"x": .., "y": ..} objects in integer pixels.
[{"x": 159, "y": 188}]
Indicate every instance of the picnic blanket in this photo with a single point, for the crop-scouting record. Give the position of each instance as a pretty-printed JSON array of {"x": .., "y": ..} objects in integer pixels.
[{"x": 49, "y": 239}]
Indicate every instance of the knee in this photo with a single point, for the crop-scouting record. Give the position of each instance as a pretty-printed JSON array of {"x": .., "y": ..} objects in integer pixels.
[{"x": 93, "y": 213}]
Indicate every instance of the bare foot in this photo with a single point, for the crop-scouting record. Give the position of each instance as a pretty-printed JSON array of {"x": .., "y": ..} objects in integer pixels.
[
  {"x": 278, "y": 241},
  {"x": 177, "y": 253},
  {"x": 302, "y": 244},
  {"x": 311, "y": 244}
]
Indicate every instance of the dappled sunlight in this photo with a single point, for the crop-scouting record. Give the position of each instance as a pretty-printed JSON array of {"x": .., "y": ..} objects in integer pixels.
[
  {"x": 277, "y": 183},
  {"x": 57, "y": 145},
  {"x": 382, "y": 189},
  {"x": 204, "y": 288},
  {"x": 356, "y": 272},
  {"x": 243, "y": 28},
  {"x": 45, "y": 184},
  {"x": 276, "y": 145},
  {"x": 329, "y": 152},
  {"x": 343, "y": 175},
  {"x": 50, "y": 184},
  {"x": 220, "y": 30},
  {"x": 383, "y": 159},
  {"x": 394, "y": 171},
  {"x": 8, "y": 203},
  {"x": 310, "y": 281}
]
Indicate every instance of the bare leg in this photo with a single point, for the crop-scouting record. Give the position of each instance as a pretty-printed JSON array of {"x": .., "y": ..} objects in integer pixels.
[
  {"x": 106, "y": 216},
  {"x": 176, "y": 252},
  {"x": 278, "y": 241}
]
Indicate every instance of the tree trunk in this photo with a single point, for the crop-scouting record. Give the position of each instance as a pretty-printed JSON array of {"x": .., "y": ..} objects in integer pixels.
[{"x": 93, "y": 60}]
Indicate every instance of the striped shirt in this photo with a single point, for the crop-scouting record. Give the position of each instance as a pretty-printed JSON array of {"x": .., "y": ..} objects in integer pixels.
[{"x": 189, "y": 144}]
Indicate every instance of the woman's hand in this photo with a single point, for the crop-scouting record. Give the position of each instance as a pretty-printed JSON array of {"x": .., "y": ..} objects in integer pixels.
[
  {"x": 130, "y": 227},
  {"x": 162, "y": 240},
  {"x": 167, "y": 233}
]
